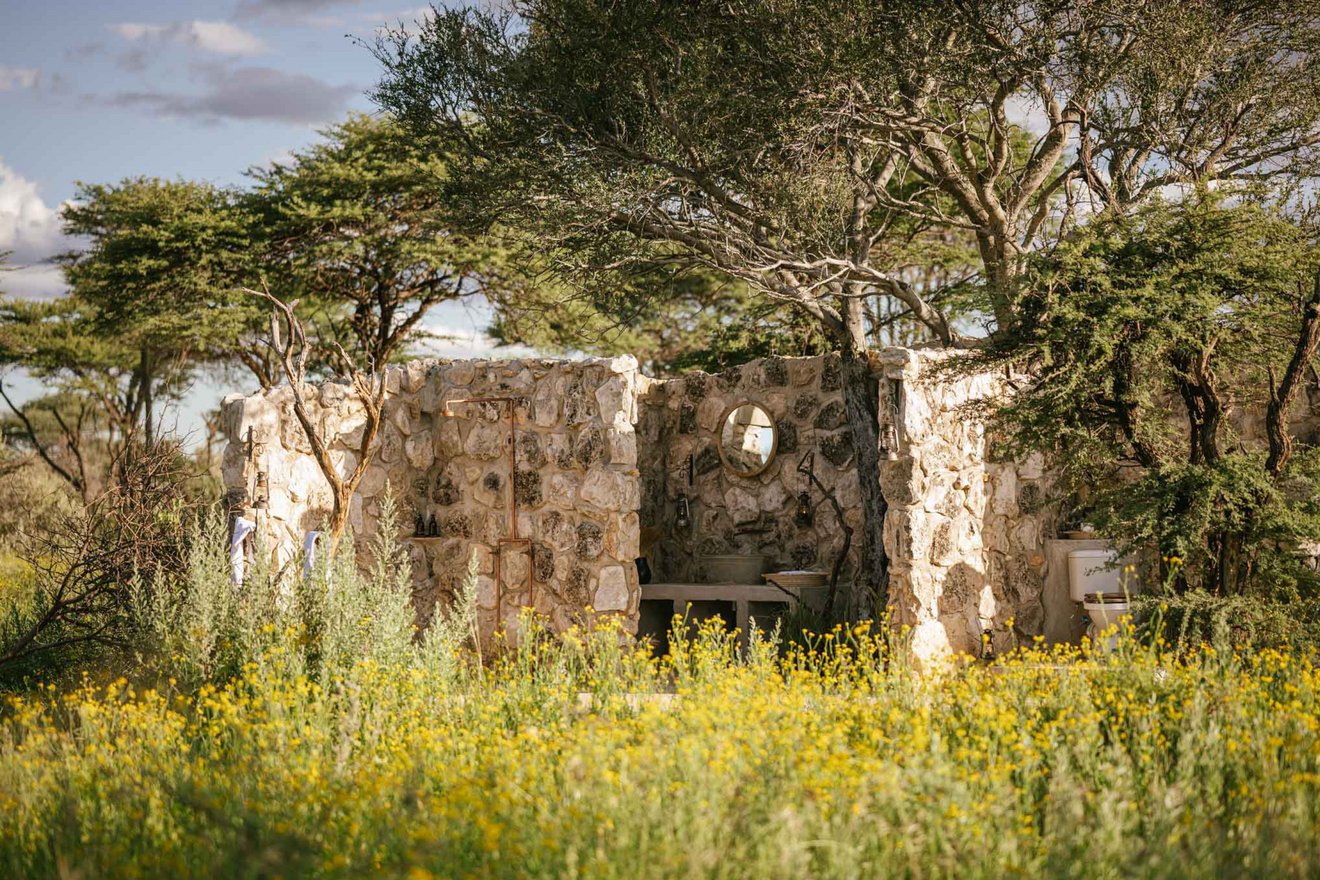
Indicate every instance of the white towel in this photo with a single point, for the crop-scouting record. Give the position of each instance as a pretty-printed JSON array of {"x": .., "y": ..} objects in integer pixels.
[
  {"x": 237, "y": 561},
  {"x": 309, "y": 551}
]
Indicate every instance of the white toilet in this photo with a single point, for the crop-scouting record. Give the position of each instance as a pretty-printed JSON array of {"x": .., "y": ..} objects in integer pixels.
[{"x": 1097, "y": 580}]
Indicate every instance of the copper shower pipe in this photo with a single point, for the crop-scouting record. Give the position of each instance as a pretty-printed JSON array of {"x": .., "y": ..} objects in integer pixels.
[{"x": 511, "y": 536}]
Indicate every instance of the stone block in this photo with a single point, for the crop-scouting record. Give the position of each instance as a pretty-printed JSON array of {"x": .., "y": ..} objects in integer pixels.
[
  {"x": 460, "y": 373},
  {"x": 557, "y": 529},
  {"x": 590, "y": 540},
  {"x": 305, "y": 480},
  {"x": 805, "y": 406},
  {"x": 1032, "y": 467},
  {"x": 622, "y": 443},
  {"x": 486, "y": 440},
  {"x": 612, "y": 591},
  {"x": 606, "y": 490},
  {"x": 389, "y": 444},
  {"x": 709, "y": 412},
  {"x": 545, "y": 401},
  {"x": 373, "y": 481},
  {"x": 837, "y": 448},
  {"x": 527, "y": 489},
  {"x": 590, "y": 447},
  {"x": 612, "y": 400},
  {"x": 531, "y": 450},
  {"x": 487, "y": 592},
  {"x": 563, "y": 488},
  {"x": 419, "y": 449},
  {"x": 579, "y": 403}
]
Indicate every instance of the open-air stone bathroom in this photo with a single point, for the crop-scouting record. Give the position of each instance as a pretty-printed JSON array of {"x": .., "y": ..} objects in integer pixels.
[{"x": 605, "y": 478}]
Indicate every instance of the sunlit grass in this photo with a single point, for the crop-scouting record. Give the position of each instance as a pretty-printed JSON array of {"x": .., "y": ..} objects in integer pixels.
[{"x": 831, "y": 761}]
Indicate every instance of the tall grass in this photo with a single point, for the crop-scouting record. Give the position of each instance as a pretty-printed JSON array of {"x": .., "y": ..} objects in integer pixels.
[{"x": 309, "y": 731}]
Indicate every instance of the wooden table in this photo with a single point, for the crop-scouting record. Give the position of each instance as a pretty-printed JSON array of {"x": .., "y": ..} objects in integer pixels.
[{"x": 741, "y": 596}]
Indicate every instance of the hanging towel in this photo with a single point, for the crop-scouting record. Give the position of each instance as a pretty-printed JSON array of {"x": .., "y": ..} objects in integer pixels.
[
  {"x": 237, "y": 562},
  {"x": 309, "y": 551}
]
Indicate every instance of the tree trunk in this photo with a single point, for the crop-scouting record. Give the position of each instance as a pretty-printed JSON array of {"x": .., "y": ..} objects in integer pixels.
[
  {"x": 860, "y": 395},
  {"x": 148, "y": 402}
]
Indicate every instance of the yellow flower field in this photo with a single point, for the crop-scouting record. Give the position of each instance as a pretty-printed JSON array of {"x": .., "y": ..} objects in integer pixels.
[{"x": 579, "y": 758}]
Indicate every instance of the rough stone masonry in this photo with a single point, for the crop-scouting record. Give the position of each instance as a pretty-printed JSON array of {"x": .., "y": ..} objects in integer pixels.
[{"x": 602, "y": 453}]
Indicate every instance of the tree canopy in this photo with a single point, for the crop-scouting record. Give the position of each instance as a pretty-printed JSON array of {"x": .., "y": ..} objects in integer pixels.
[
  {"x": 157, "y": 277},
  {"x": 791, "y": 143},
  {"x": 802, "y": 146},
  {"x": 358, "y": 223},
  {"x": 1169, "y": 348}
]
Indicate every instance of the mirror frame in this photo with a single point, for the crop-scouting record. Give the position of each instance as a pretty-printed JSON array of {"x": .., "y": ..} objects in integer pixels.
[{"x": 774, "y": 440}]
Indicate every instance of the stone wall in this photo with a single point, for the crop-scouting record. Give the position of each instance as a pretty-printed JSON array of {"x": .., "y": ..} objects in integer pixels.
[
  {"x": 576, "y": 481},
  {"x": 603, "y": 456},
  {"x": 679, "y": 424},
  {"x": 965, "y": 528}
]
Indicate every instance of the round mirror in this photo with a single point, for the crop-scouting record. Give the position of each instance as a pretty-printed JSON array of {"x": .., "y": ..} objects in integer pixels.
[{"x": 747, "y": 439}]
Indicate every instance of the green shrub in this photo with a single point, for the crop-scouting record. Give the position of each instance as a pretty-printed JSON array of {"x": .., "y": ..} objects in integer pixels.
[{"x": 1241, "y": 623}]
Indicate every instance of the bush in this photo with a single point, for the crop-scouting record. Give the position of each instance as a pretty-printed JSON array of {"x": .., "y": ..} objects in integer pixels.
[
  {"x": 1234, "y": 623},
  {"x": 200, "y": 628},
  {"x": 72, "y": 605}
]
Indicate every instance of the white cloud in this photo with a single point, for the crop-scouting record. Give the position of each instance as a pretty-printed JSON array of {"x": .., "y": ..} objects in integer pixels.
[
  {"x": 33, "y": 282},
  {"x": 28, "y": 226},
  {"x": 293, "y": 12},
  {"x": 18, "y": 78},
  {"x": 248, "y": 93},
  {"x": 216, "y": 37}
]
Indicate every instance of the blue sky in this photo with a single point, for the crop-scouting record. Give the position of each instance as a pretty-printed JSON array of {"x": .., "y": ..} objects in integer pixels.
[{"x": 99, "y": 91}]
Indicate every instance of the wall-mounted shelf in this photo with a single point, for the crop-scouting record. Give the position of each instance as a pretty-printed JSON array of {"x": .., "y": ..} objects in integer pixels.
[{"x": 422, "y": 539}]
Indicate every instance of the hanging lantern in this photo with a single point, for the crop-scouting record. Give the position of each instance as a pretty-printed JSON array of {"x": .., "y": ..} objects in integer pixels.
[
  {"x": 683, "y": 517},
  {"x": 261, "y": 497},
  {"x": 804, "y": 516}
]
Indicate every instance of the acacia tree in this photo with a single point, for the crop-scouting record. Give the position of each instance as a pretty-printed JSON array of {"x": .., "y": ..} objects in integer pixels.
[
  {"x": 288, "y": 342},
  {"x": 156, "y": 279},
  {"x": 357, "y": 225},
  {"x": 91, "y": 409},
  {"x": 1174, "y": 343},
  {"x": 787, "y": 142},
  {"x": 670, "y": 318}
]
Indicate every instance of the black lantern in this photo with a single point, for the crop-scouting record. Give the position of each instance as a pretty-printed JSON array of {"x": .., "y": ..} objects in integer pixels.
[
  {"x": 683, "y": 517},
  {"x": 804, "y": 515}
]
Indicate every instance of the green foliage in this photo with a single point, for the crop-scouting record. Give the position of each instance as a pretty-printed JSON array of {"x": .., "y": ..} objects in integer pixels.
[
  {"x": 815, "y": 149},
  {"x": 150, "y": 301},
  {"x": 577, "y": 758},
  {"x": 34, "y": 501},
  {"x": 199, "y": 627},
  {"x": 73, "y": 605},
  {"x": 358, "y": 222},
  {"x": 1156, "y": 342},
  {"x": 1231, "y": 624},
  {"x": 160, "y": 264},
  {"x": 622, "y": 136},
  {"x": 671, "y": 320}
]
